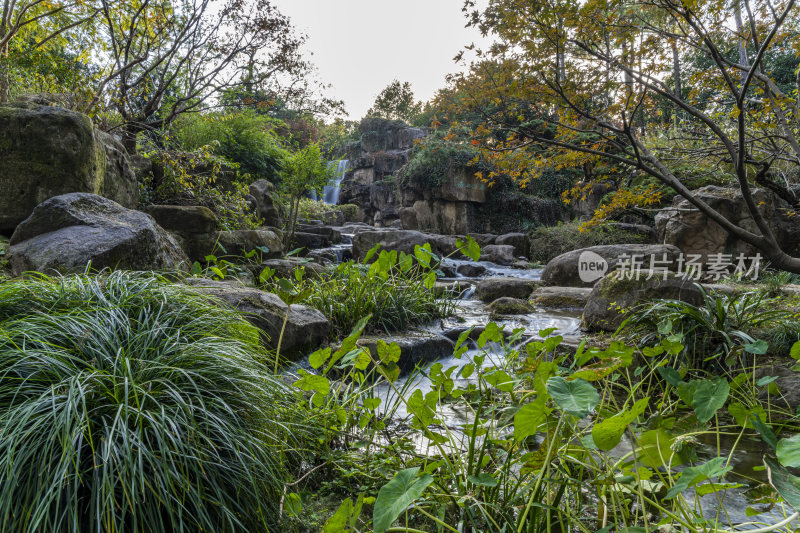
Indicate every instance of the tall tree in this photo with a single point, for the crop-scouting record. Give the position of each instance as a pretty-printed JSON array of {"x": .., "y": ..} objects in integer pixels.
[
  {"x": 169, "y": 57},
  {"x": 396, "y": 102},
  {"x": 752, "y": 130},
  {"x": 50, "y": 20}
]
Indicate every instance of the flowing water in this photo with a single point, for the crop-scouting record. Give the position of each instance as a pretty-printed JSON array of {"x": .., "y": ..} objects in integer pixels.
[
  {"x": 330, "y": 194},
  {"x": 746, "y": 460}
]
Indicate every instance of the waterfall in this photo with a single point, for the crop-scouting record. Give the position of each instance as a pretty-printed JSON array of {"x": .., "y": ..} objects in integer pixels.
[{"x": 330, "y": 195}]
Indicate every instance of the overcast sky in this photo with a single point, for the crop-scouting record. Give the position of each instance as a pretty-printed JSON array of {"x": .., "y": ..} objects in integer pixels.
[{"x": 360, "y": 46}]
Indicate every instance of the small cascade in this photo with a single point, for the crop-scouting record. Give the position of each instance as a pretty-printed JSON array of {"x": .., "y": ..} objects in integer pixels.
[{"x": 330, "y": 194}]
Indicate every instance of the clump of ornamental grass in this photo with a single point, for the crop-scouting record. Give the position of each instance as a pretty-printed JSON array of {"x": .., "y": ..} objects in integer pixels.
[{"x": 130, "y": 404}]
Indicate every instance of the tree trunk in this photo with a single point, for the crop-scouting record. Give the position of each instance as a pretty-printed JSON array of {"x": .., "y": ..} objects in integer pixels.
[
  {"x": 737, "y": 13},
  {"x": 676, "y": 76}
]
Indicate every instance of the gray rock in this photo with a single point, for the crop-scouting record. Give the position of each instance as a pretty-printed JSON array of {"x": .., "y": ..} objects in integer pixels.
[
  {"x": 561, "y": 297},
  {"x": 306, "y": 328},
  {"x": 519, "y": 241},
  {"x": 502, "y": 254},
  {"x": 48, "y": 151},
  {"x": 614, "y": 296},
  {"x": 563, "y": 270},
  {"x": 509, "y": 306},
  {"x": 402, "y": 241},
  {"x": 284, "y": 268},
  {"x": 184, "y": 219},
  {"x": 266, "y": 204},
  {"x": 490, "y": 289},
  {"x": 686, "y": 227},
  {"x": 240, "y": 242},
  {"x": 416, "y": 347},
  {"x": 470, "y": 270},
  {"x": 67, "y": 232},
  {"x": 309, "y": 241}
]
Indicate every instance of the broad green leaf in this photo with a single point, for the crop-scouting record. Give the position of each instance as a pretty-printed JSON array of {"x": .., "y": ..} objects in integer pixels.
[
  {"x": 787, "y": 485},
  {"x": 318, "y": 358},
  {"x": 470, "y": 248},
  {"x": 491, "y": 333},
  {"x": 709, "y": 397},
  {"x": 420, "y": 409},
  {"x": 395, "y": 497},
  {"x": 788, "y": 451},
  {"x": 312, "y": 382},
  {"x": 795, "y": 351},
  {"x": 372, "y": 251},
  {"x": 388, "y": 353},
  {"x": 430, "y": 280},
  {"x": 765, "y": 431},
  {"x": 757, "y": 348},
  {"x": 530, "y": 417},
  {"x": 293, "y": 504},
  {"x": 655, "y": 449},
  {"x": 608, "y": 433},
  {"x": 670, "y": 375},
  {"x": 340, "y": 519},
  {"x": 483, "y": 479},
  {"x": 742, "y": 415},
  {"x": 697, "y": 474},
  {"x": 597, "y": 371},
  {"x": 577, "y": 397},
  {"x": 501, "y": 380}
]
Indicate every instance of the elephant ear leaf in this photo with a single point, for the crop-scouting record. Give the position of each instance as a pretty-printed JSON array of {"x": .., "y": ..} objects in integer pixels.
[
  {"x": 396, "y": 496},
  {"x": 787, "y": 485},
  {"x": 469, "y": 247}
]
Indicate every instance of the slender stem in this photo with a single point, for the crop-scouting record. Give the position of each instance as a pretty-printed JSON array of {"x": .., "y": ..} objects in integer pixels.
[{"x": 280, "y": 337}]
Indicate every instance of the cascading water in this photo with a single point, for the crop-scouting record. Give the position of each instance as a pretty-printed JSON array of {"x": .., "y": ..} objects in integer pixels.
[{"x": 330, "y": 195}]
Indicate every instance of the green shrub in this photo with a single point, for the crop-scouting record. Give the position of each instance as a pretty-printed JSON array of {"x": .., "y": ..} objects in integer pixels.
[
  {"x": 242, "y": 137},
  {"x": 551, "y": 241},
  {"x": 315, "y": 210},
  {"x": 130, "y": 404},
  {"x": 394, "y": 291},
  {"x": 199, "y": 177},
  {"x": 434, "y": 159}
]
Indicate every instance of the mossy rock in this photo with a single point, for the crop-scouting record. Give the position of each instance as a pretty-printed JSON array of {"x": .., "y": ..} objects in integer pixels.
[
  {"x": 509, "y": 306},
  {"x": 616, "y": 294}
]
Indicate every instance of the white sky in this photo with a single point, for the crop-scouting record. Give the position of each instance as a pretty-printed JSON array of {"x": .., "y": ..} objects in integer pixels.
[{"x": 359, "y": 46}]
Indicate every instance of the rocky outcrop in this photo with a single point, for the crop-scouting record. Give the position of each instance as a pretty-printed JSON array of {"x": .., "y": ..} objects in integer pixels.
[
  {"x": 284, "y": 268},
  {"x": 48, "y": 151},
  {"x": 306, "y": 328},
  {"x": 684, "y": 226},
  {"x": 565, "y": 269},
  {"x": 460, "y": 201},
  {"x": 490, "y": 289},
  {"x": 193, "y": 226},
  {"x": 615, "y": 295},
  {"x": 266, "y": 204},
  {"x": 402, "y": 241},
  {"x": 67, "y": 232}
]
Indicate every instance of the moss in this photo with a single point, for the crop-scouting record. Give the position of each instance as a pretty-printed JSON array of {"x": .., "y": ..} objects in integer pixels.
[
  {"x": 559, "y": 302},
  {"x": 509, "y": 306}
]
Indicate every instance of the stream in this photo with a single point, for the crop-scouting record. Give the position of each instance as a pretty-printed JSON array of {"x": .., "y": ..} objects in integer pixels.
[{"x": 746, "y": 461}]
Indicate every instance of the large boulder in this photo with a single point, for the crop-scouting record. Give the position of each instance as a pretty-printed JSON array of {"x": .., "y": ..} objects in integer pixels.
[
  {"x": 501, "y": 254},
  {"x": 67, "y": 232},
  {"x": 490, "y": 289},
  {"x": 48, "y": 151},
  {"x": 583, "y": 267},
  {"x": 617, "y": 293},
  {"x": 240, "y": 242},
  {"x": 402, "y": 241},
  {"x": 684, "y": 226},
  {"x": 306, "y": 328},
  {"x": 519, "y": 241},
  {"x": 193, "y": 226},
  {"x": 416, "y": 347},
  {"x": 266, "y": 204}
]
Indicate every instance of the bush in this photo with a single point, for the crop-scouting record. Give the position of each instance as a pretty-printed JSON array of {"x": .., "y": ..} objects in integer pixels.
[
  {"x": 129, "y": 404},
  {"x": 315, "y": 210},
  {"x": 435, "y": 158},
  {"x": 551, "y": 241},
  {"x": 244, "y": 138},
  {"x": 394, "y": 291},
  {"x": 199, "y": 177}
]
